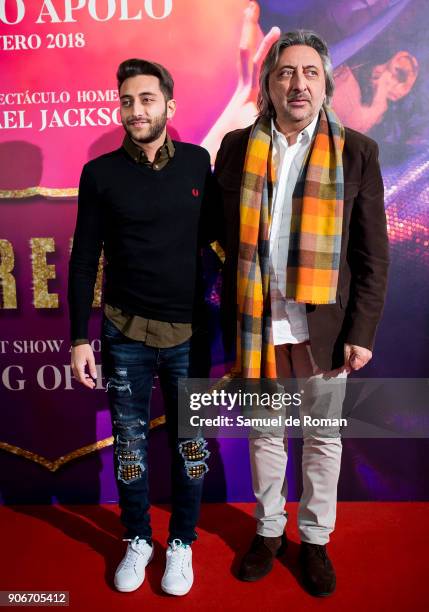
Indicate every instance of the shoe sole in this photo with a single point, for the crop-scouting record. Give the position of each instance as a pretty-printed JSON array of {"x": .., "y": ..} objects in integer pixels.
[
  {"x": 254, "y": 579},
  {"x": 314, "y": 594},
  {"x": 177, "y": 593},
  {"x": 125, "y": 590},
  {"x": 310, "y": 589}
]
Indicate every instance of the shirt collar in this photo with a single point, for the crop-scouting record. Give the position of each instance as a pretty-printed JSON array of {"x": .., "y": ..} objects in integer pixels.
[
  {"x": 139, "y": 155},
  {"x": 306, "y": 134}
]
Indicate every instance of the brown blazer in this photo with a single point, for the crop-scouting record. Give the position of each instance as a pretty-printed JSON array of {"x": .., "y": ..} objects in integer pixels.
[{"x": 364, "y": 250}]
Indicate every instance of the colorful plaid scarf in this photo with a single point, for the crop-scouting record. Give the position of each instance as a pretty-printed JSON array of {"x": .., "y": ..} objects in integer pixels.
[{"x": 315, "y": 238}]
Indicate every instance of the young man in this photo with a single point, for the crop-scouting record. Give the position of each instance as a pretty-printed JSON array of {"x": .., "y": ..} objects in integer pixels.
[
  {"x": 306, "y": 264},
  {"x": 142, "y": 203}
]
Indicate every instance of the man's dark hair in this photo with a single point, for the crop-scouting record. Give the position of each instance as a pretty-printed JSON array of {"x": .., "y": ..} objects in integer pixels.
[{"x": 136, "y": 67}]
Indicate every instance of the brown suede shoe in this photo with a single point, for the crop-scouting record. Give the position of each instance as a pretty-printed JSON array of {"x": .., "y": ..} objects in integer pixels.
[
  {"x": 258, "y": 561},
  {"x": 318, "y": 574}
]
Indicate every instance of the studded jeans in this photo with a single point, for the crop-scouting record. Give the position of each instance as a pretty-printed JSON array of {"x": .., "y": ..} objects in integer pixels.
[{"x": 129, "y": 367}]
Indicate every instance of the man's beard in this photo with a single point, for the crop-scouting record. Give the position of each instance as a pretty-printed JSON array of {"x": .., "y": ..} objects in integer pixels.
[{"x": 156, "y": 127}]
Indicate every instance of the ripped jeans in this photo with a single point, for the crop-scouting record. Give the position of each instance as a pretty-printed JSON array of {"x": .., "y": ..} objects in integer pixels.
[{"x": 129, "y": 367}]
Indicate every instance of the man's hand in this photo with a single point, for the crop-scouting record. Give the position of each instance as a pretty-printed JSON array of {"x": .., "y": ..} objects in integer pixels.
[
  {"x": 355, "y": 357},
  {"x": 82, "y": 356}
]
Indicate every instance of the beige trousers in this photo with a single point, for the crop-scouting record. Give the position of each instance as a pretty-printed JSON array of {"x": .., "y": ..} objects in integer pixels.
[{"x": 321, "y": 457}]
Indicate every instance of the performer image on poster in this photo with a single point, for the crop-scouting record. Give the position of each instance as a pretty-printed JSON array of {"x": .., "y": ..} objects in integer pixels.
[
  {"x": 304, "y": 279},
  {"x": 365, "y": 87},
  {"x": 143, "y": 204}
]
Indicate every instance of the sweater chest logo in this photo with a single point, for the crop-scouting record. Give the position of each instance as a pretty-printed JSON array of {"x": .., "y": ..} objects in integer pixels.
[{"x": 195, "y": 192}]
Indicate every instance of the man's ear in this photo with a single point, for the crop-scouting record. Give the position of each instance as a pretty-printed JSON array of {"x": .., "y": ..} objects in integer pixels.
[
  {"x": 171, "y": 109},
  {"x": 402, "y": 69}
]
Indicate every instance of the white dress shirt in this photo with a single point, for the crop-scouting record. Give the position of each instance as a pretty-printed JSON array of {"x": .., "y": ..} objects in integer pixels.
[{"x": 289, "y": 318}]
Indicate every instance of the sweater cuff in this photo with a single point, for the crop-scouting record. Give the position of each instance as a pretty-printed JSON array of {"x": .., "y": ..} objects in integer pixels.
[{"x": 80, "y": 341}]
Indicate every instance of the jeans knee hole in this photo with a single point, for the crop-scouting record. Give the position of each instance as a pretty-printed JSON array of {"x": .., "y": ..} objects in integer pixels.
[
  {"x": 194, "y": 453},
  {"x": 122, "y": 387},
  {"x": 195, "y": 471},
  {"x": 131, "y": 467},
  {"x": 194, "y": 450}
]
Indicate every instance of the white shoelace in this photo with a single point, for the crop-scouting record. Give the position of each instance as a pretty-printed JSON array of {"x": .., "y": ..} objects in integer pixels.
[
  {"x": 133, "y": 551},
  {"x": 175, "y": 560}
]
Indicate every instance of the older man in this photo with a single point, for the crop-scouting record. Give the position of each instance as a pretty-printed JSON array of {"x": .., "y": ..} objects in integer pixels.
[{"x": 304, "y": 280}]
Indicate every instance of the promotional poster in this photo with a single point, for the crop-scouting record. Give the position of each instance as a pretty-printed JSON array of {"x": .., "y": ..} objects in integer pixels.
[{"x": 59, "y": 109}]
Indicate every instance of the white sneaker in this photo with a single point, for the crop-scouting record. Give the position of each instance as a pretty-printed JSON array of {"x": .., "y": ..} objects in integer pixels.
[
  {"x": 178, "y": 576},
  {"x": 131, "y": 570}
]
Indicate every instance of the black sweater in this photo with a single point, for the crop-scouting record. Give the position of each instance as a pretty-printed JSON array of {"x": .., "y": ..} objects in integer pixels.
[{"x": 148, "y": 223}]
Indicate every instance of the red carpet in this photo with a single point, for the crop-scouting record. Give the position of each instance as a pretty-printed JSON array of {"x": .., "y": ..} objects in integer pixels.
[{"x": 380, "y": 551}]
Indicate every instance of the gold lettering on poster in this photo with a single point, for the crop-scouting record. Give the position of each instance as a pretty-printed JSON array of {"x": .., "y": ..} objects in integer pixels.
[
  {"x": 43, "y": 272},
  {"x": 98, "y": 289},
  {"x": 7, "y": 281}
]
